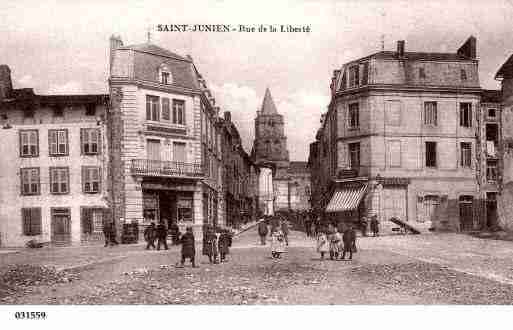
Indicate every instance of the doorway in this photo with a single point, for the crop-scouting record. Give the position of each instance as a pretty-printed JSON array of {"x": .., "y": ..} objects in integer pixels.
[
  {"x": 466, "y": 213},
  {"x": 61, "y": 226},
  {"x": 491, "y": 209}
]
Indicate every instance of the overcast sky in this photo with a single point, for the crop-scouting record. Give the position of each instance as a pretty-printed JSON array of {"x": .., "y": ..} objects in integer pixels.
[{"x": 61, "y": 47}]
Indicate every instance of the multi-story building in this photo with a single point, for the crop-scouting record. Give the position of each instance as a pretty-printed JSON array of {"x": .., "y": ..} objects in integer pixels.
[
  {"x": 165, "y": 155},
  {"x": 399, "y": 138},
  {"x": 240, "y": 173},
  {"x": 53, "y": 169}
]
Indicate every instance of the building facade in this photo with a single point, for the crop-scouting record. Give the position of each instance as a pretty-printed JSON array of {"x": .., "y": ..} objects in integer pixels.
[
  {"x": 165, "y": 155},
  {"x": 399, "y": 139},
  {"x": 54, "y": 166}
]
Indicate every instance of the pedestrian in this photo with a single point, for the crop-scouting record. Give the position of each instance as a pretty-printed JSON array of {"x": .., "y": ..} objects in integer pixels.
[
  {"x": 161, "y": 234},
  {"x": 374, "y": 225},
  {"x": 277, "y": 243},
  {"x": 174, "y": 231},
  {"x": 363, "y": 226},
  {"x": 225, "y": 242},
  {"x": 262, "y": 231},
  {"x": 322, "y": 243},
  {"x": 334, "y": 239},
  {"x": 285, "y": 231},
  {"x": 307, "y": 225},
  {"x": 106, "y": 233},
  {"x": 211, "y": 248},
  {"x": 149, "y": 236},
  {"x": 349, "y": 239},
  {"x": 188, "y": 247}
]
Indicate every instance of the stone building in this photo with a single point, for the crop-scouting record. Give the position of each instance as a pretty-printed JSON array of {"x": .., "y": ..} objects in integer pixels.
[
  {"x": 239, "y": 175},
  {"x": 270, "y": 151},
  {"x": 399, "y": 139},
  {"x": 165, "y": 157},
  {"x": 53, "y": 169}
]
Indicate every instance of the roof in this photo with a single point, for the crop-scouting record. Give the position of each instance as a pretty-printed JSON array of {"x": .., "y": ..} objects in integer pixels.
[
  {"x": 268, "y": 107},
  {"x": 491, "y": 96},
  {"x": 298, "y": 167},
  {"x": 27, "y": 96},
  {"x": 506, "y": 69},
  {"x": 416, "y": 56},
  {"x": 155, "y": 50}
]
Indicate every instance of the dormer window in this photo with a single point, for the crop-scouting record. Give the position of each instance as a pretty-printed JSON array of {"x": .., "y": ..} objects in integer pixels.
[
  {"x": 422, "y": 73},
  {"x": 58, "y": 111},
  {"x": 463, "y": 74},
  {"x": 165, "y": 75}
]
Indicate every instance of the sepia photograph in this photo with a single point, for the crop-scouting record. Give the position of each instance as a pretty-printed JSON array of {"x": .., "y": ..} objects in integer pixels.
[{"x": 188, "y": 154}]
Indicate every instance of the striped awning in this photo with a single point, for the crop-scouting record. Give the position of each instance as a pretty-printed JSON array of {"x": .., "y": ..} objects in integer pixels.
[{"x": 346, "y": 199}]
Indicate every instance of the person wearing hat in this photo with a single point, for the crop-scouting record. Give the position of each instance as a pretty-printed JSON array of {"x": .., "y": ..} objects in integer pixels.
[
  {"x": 374, "y": 225},
  {"x": 349, "y": 239},
  {"x": 225, "y": 242},
  {"x": 363, "y": 224},
  {"x": 149, "y": 236},
  {"x": 188, "y": 247},
  {"x": 161, "y": 233}
]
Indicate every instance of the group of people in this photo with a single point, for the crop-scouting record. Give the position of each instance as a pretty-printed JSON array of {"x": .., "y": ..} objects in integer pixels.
[
  {"x": 336, "y": 242},
  {"x": 160, "y": 233},
  {"x": 279, "y": 234},
  {"x": 216, "y": 243},
  {"x": 374, "y": 225}
]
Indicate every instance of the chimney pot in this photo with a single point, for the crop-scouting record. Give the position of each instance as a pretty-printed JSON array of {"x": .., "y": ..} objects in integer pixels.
[{"x": 400, "y": 48}]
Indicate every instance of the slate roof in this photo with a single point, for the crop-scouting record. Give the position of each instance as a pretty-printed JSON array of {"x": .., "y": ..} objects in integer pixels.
[
  {"x": 268, "y": 106},
  {"x": 156, "y": 50},
  {"x": 506, "y": 69},
  {"x": 491, "y": 96},
  {"x": 416, "y": 56}
]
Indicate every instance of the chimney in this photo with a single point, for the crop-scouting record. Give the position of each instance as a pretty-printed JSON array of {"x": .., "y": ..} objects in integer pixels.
[
  {"x": 114, "y": 43},
  {"x": 469, "y": 48},
  {"x": 5, "y": 82},
  {"x": 227, "y": 116},
  {"x": 400, "y": 48}
]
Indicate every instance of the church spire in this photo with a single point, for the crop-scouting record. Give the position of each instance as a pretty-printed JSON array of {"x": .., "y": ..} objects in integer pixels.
[{"x": 268, "y": 107}]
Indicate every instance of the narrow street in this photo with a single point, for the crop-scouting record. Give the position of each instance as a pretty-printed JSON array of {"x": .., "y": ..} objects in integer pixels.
[{"x": 386, "y": 270}]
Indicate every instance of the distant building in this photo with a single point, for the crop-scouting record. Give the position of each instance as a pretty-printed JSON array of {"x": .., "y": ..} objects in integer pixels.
[
  {"x": 54, "y": 166},
  {"x": 399, "y": 140},
  {"x": 288, "y": 188}
]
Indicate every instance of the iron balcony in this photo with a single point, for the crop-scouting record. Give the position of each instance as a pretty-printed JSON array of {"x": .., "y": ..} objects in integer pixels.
[{"x": 159, "y": 168}]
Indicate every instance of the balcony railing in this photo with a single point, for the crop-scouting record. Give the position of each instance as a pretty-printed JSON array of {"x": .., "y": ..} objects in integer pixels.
[{"x": 149, "y": 167}]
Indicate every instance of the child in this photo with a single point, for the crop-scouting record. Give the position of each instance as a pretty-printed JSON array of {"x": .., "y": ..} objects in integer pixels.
[
  {"x": 225, "y": 241},
  {"x": 335, "y": 238},
  {"x": 322, "y": 243},
  {"x": 277, "y": 243},
  {"x": 188, "y": 247}
]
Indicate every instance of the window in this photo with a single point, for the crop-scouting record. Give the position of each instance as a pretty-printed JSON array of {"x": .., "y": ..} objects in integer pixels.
[
  {"x": 431, "y": 204},
  {"x": 365, "y": 73},
  {"x": 30, "y": 183},
  {"x": 466, "y": 154},
  {"x": 422, "y": 73},
  {"x": 463, "y": 74},
  {"x": 29, "y": 143},
  {"x": 354, "y": 78},
  {"x": 492, "y": 113},
  {"x": 466, "y": 114},
  {"x": 90, "y": 141},
  {"x": 92, "y": 220},
  {"x": 59, "y": 180},
  {"x": 394, "y": 153},
  {"x": 430, "y": 154},
  {"x": 165, "y": 77},
  {"x": 179, "y": 112},
  {"x": 90, "y": 110},
  {"x": 90, "y": 179},
  {"x": 491, "y": 170},
  {"x": 353, "y": 116},
  {"x": 58, "y": 111},
  {"x": 28, "y": 112},
  {"x": 393, "y": 113},
  {"x": 152, "y": 107},
  {"x": 165, "y": 109},
  {"x": 354, "y": 155},
  {"x": 184, "y": 209},
  {"x": 430, "y": 113},
  {"x": 58, "y": 142},
  {"x": 31, "y": 221},
  {"x": 179, "y": 152}
]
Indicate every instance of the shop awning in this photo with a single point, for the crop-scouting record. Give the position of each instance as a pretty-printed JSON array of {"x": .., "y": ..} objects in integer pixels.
[{"x": 346, "y": 199}]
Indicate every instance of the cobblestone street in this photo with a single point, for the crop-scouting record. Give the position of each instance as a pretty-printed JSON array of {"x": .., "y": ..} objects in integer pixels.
[{"x": 386, "y": 270}]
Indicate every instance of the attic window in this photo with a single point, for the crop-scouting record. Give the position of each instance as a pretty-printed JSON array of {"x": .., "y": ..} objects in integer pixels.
[
  {"x": 165, "y": 75},
  {"x": 463, "y": 74},
  {"x": 90, "y": 110},
  {"x": 422, "y": 73}
]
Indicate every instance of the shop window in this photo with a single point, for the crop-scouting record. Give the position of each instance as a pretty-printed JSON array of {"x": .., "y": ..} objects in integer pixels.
[{"x": 184, "y": 209}]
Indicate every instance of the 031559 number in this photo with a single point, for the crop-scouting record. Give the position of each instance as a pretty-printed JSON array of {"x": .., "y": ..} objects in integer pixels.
[{"x": 30, "y": 315}]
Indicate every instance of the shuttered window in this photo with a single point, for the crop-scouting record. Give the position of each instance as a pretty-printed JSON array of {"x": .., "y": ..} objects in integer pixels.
[
  {"x": 31, "y": 221},
  {"x": 466, "y": 114},
  {"x": 59, "y": 180},
  {"x": 91, "y": 179},
  {"x": 466, "y": 154},
  {"x": 430, "y": 113},
  {"x": 165, "y": 109},
  {"x": 179, "y": 112},
  {"x": 152, "y": 108},
  {"x": 58, "y": 142},
  {"x": 90, "y": 141},
  {"x": 29, "y": 143},
  {"x": 30, "y": 183}
]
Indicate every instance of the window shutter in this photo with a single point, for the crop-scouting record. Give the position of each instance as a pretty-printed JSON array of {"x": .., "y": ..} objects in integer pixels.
[
  {"x": 25, "y": 216},
  {"x": 82, "y": 141},
  {"x": 99, "y": 141},
  {"x": 36, "y": 221},
  {"x": 53, "y": 142},
  {"x": 99, "y": 176},
  {"x": 84, "y": 172}
]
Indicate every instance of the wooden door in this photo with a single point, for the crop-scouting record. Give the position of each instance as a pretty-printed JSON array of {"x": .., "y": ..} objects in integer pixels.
[
  {"x": 61, "y": 226},
  {"x": 394, "y": 203}
]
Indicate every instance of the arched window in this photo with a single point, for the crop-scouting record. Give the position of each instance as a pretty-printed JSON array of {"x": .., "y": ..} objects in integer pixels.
[{"x": 164, "y": 74}]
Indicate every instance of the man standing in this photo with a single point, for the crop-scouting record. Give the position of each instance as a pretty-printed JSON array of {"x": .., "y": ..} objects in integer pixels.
[
  {"x": 374, "y": 225},
  {"x": 106, "y": 233},
  {"x": 174, "y": 231},
  {"x": 349, "y": 239},
  {"x": 161, "y": 233},
  {"x": 188, "y": 247},
  {"x": 363, "y": 224},
  {"x": 149, "y": 236},
  {"x": 262, "y": 231}
]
